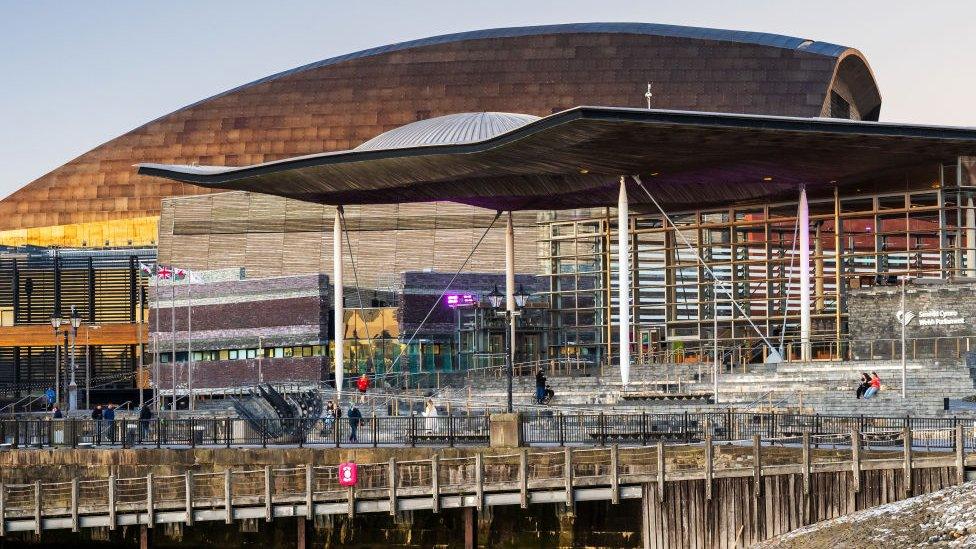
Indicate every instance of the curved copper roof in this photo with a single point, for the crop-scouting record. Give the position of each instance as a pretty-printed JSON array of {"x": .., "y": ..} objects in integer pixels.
[
  {"x": 338, "y": 103},
  {"x": 647, "y": 29}
]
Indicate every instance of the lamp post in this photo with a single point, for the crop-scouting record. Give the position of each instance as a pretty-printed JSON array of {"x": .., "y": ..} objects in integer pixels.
[
  {"x": 72, "y": 386},
  {"x": 56, "y": 322},
  {"x": 496, "y": 299}
]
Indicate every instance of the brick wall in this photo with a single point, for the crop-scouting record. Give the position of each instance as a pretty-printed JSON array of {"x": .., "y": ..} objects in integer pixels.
[{"x": 231, "y": 373}]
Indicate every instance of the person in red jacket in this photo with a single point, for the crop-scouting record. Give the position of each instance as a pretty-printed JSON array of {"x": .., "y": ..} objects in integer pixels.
[
  {"x": 362, "y": 383},
  {"x": 875, "y": 386}
]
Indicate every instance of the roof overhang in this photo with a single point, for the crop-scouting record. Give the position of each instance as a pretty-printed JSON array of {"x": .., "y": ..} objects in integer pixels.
[{"x": 574, "y": 158}]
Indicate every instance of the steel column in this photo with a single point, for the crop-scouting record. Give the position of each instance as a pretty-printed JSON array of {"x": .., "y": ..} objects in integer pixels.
[
  {"x": 804, "y": 230},
  {"x": 338, "y": 323}
]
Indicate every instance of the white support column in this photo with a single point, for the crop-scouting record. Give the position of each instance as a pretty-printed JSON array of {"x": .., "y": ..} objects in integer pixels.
[
  {"x": 338, "y": 324},
  {"x": 623, "y": 281},
  {"x": 804, "y": 230},
  {"x": 510, "y": 281}
]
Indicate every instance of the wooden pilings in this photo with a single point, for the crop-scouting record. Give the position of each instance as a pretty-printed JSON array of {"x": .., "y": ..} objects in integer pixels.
[{"x": 736, "y": 517}]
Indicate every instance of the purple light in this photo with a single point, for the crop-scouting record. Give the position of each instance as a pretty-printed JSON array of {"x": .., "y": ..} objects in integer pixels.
[{"x": 459, "y": 300}]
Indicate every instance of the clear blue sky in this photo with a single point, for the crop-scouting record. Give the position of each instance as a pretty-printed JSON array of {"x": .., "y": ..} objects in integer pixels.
[{"x": 76, "y": 74}]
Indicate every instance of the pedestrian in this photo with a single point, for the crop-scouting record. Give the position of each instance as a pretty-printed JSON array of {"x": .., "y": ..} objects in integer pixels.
[
  {"x": 97, "y": 424},
  {"x": 328, "y": 419},
  {"x": 355, "y": 416},
  {"x": 864, "y": 385},
  {"x": 57, "y": 413},
  {"x": 430, "y": 412},
  {"x": 145, "y": 416},
  {"x": 108, "y": 416},
  {"x": 362, "y": 383},
  {"x": 875, "y": 386},
  {"x": 540, "y": 386}
]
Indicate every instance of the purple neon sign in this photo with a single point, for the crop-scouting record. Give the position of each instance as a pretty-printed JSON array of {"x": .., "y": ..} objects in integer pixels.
[{"x": 459, "y": 300}]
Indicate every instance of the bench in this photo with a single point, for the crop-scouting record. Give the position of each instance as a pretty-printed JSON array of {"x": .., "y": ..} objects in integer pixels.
[
  {"x": 462, "y": 438},
  {"x": 634, "y": 436},
  {"x": 667, "y": 397}
]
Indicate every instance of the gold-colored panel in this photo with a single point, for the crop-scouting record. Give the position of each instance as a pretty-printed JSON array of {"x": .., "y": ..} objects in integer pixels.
[{"x": 140, "y": 231}]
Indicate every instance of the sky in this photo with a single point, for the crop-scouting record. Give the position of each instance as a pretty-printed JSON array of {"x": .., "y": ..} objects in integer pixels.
[{"x": 76, "y": 74}]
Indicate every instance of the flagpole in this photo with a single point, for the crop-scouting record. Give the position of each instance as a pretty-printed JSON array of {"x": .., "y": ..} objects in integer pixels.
[
  {"x": 172, "y": 311},
  {"x": 156, "y": 337},
  {"x": 189, "y": 341}
]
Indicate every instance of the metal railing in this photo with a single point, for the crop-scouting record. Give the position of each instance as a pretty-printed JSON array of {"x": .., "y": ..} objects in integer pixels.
[
  {"x": 730, "y": 426},
  {"x": 411, "y": 430},
  {"x": 537, "y": 429}
]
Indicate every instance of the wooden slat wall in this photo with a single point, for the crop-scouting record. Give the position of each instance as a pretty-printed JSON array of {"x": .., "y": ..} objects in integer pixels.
[
  {"x": 41, "y": 335},
  {"x": 274, "y": 236}
]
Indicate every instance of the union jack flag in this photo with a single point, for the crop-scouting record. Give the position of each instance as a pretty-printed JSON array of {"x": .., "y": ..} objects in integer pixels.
[{"x": 164, "y": 273}]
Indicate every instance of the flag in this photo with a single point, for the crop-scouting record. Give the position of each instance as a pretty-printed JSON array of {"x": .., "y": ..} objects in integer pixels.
[
  {"x": 164, "y": 273},
  {"x": 148, "y": 270},
  {"x": 187, "y": 275}
]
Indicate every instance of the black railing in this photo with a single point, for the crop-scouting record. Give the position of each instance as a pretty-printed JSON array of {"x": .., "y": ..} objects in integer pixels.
[
  {"x": 556, "y": 429},
  {"x": 729, "y": 426},
  {"x": 452, "y": 430}
]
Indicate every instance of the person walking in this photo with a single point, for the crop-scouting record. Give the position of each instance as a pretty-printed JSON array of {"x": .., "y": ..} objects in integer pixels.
[
  {"x": 145, "y": 417},
  {"x": 57, "y": 414},
  {"x": 355, "y": 416},
  {"x": 430, "y": 412},
  {"x": 108, "y": 416},
  {"x": 363, "y": 383},
  {"x": 864, "y": 385},
  {"x": 328, "y": 418},
  {"x": 96, "y": 416},
  {"x": 540, "y": 386},
  {"x": 875, "y": 386}
]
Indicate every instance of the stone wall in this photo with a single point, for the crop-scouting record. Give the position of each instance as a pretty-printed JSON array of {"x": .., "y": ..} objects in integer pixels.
[
  {"x": 231, "y": 373},
  {"x": 945, "y": 310}
]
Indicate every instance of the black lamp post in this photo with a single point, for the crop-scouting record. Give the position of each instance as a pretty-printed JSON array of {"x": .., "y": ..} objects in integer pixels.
[
  {"x": 497, "y": 301},
  {"x": 72, "y": 386},
  {"x": 56, "y": 322}
]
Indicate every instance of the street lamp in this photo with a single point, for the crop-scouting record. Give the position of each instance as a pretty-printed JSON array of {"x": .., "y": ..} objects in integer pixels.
[
  {"x": 496, "y": 299},
  {"x": 56, "y": 322},
  {"x": 72, "y": 386}
]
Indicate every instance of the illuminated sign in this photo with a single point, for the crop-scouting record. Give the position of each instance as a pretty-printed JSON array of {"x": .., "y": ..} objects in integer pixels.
[{"x": 460, "y": 300}]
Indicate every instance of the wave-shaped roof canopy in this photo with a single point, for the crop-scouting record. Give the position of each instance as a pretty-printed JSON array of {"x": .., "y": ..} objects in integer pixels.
[{"x": 573, "y": 159}]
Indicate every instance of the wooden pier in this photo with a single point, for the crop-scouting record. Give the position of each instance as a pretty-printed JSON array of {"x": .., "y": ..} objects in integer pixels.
[{"x": 694, "y": 495}]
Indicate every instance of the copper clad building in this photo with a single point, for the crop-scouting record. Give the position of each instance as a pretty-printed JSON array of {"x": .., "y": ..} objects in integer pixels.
[{"x": 914, "y": 217}]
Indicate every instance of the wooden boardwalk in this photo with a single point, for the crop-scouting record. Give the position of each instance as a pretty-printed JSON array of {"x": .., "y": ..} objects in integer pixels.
[{"x": 672, "y": 478}]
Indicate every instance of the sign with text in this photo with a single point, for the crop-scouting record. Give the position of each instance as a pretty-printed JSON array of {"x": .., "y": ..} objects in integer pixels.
[{"x": 460, "y": 300}]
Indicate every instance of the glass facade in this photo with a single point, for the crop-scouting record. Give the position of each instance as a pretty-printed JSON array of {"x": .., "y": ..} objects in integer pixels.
[{"x": 920, "y": 225}]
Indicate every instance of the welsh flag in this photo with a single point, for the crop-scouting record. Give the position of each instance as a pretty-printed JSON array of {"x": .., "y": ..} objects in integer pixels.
[
  {"x": 187, "y": 275},
  {"x": 148, "y": 270}
]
